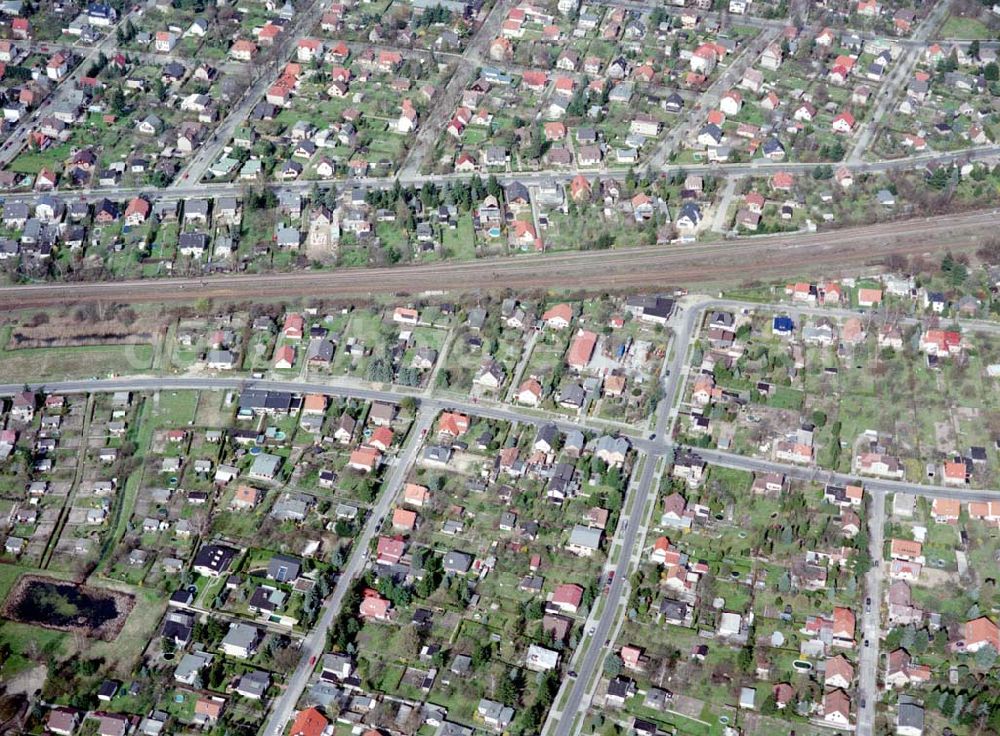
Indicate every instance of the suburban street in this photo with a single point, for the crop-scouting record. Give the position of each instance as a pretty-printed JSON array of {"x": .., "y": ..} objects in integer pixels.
[
  {"x": 685, "y": 325},
  {"x": 313, "y": 645},
  {"x": 18, "y": 138},
  {"x": 900, "y": 75},
  {"x": 486, "y": 45},
  {"x": 183, "y": 188},
  {"x": 653, "y": 445},
  {"x": 266, "y": 69},
  {"x": 871, "y": 629},
  {"x": 467, "y": 64},
  {"x": 689, "y": 124}
]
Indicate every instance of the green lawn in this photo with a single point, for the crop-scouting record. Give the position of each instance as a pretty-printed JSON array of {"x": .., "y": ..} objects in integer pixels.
[
  {"x": 32, "y": 163},
  {"x": 965, "y": 28},
  {"x": 176, "y": 408},
  {"x": 33, "y": 364}
]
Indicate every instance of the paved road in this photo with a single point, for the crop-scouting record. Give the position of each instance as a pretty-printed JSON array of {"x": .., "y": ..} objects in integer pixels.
[
  {"x": 18, "y": 138},
  {"x": 889, "y": 91},
  {"x": 780, "y": 23},
  {"x": 819, "y": 475},
  {"x": 795, "y": 310},
  {"x": 687, "y": 128},
  {"x": 266, "y": 68},
  {"x": 685, "y": 325},
  {"x": 653, "y": 448},
  {"x": 474, "y": 56},
  {"x": 184, "y": 188},
  {"x": 870, "y": 625},
  {"x": 720, "y": 223},
  {"x": 314, "y": 644}
]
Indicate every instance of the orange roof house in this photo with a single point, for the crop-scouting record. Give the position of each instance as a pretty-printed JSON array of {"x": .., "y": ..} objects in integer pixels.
[
  {"x": 614, "y": 385},
  {"x": 955, "y": 473},
  {"x": 452, "y": 423},
  {"x": 390, "y": 550},
  {"x": 782, "y": 180},
  {"x": 984, "y": 510},
  {"x": 404, "y": 519},
  {"x": 581, "y": 349},
  {"x": 309, "y": 722},
  {"x": 981, "y": 632},
  {"x": 284, "y": 357},
  {"x": 941, "y": 342},
  {"x": 365, "y": 459},
  {"x": 579, "y": 188},
  {"x": 660, "y": 548},
  {"x": 555, "y": 131},
  {"x": 535, "y": 80},
  {"x": 243, "y": 49},
  {"x": 381, "y": 438},
  {"x": 568, "y": 596},
  {"x": 314, "y": 404},
  {"x": 558, "y": 317},
  {"x": 268, "y": 33},
  {"x": 294, "y": 325},
  {"x": 839, "y": 672},
  {"x": 843, "y": 624},
  {"x": 247, "y": 497},
  {"x": 137, "y": 211},
  {"x": 869, "y": 297},
  {"x": 564, "y": 86},
  {"x": 904, "y": 549},
  {"x": 209, "y": 708},
  {"x": 530, "y": 392},
  {"x": 374, "y": 606},
  {"x": 416, "y": 495},
  {"x": 631, "y": 657},
  {"x": 947, "y": 510}
]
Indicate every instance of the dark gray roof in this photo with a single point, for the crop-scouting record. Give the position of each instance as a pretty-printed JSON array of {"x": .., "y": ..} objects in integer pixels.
[{"x": 456, "y": 561}]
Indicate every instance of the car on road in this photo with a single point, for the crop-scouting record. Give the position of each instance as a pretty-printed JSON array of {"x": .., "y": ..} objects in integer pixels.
[
  {"x": 866, "y": 642},
  {"x": 591, "y": 630},
  {"x": 572, "y": 673},
  {"x": 312, "y": 660},
  {"x": 868, "y": 603}
]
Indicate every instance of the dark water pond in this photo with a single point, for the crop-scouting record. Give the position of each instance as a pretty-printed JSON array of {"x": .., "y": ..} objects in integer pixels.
[{"x": 62, "y": 605}]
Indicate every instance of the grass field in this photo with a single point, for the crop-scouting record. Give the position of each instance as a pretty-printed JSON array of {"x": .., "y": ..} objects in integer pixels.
[
  {"x": 28, "y": 643},
  {"x": 33, "y": 364},
  {"x": 176, "y": 408},
  {"x": 22, "y": 638},
  {"x": 965, "y": 28}
]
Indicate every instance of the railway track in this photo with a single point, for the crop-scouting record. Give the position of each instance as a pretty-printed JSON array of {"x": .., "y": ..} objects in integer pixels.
[{"x": 735, "y": 261}]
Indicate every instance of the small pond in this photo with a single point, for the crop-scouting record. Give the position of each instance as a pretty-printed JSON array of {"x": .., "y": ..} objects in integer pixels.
[{"x": 63, "y": 605}]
